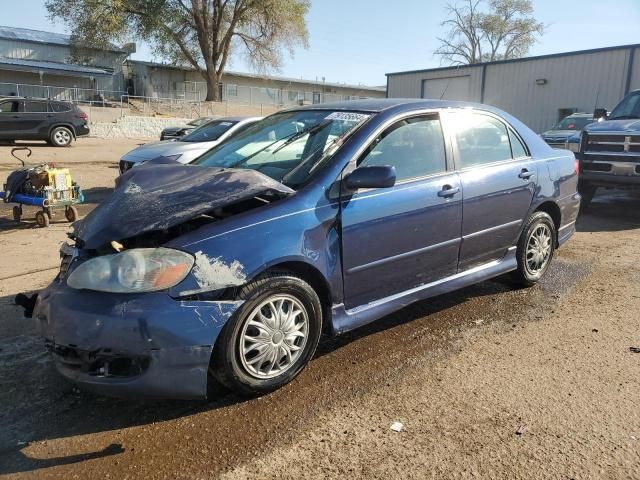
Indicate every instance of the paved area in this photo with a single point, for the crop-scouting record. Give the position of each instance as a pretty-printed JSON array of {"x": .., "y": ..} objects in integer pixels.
[{"x": 489, "y": 382}]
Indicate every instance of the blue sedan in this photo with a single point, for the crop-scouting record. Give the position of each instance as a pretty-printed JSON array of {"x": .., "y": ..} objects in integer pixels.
[{"x": 314, "y": 220}]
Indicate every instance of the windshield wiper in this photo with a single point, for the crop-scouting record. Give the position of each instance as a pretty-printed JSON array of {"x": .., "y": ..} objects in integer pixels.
[{"x": 301, "y": 134}]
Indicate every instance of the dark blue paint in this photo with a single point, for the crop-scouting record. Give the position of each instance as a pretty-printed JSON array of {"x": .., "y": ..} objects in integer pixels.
[{"x": 373, "y": 251}]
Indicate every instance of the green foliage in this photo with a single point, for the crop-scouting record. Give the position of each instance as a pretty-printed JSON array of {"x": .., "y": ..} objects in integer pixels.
[
  {"x": 201, "y": 33},
  {"x": 506, "y": 30}
]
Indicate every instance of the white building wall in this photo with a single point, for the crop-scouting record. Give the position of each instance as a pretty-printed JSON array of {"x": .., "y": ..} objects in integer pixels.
[{"x": 580, "y": 81}]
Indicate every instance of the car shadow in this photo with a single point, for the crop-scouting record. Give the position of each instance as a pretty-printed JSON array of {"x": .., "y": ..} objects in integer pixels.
[{"x": 611, "y": 211}]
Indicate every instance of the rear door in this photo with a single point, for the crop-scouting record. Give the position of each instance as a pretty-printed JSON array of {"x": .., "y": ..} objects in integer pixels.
[
  {"x": 398, "y": 238},
  {"x": 9, "y": 118},
  {"x": 498, "y": 180},
  {"x": 34, "y": 120}
]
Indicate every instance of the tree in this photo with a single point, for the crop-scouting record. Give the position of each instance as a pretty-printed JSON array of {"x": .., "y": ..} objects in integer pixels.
[
  {"x": 507, "y": 30},
  {"x": 201, "y": 33}
]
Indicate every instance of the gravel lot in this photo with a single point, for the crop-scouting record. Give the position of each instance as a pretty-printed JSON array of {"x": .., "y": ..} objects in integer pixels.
[{"x": 487, "y": 382}]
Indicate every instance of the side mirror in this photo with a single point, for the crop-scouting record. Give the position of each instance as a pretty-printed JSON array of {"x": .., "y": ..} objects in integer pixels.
[
  {"x": 600, "y": 113},
  {"x": 371, "y": 177}
]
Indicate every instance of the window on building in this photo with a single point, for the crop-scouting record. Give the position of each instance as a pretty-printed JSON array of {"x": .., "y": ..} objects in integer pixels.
[
  {"x": 481, "y": 139},
  {"x": 232, "y": 90},
  {"x": 415, "y": 147}
]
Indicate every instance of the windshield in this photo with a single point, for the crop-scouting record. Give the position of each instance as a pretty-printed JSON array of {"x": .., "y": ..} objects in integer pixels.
[
  {"x": 209, "y": 132},
  {"x": 629, "y": 107},
  {"x": 288, "y": 147},
  {"x": 574, "y": 123}
]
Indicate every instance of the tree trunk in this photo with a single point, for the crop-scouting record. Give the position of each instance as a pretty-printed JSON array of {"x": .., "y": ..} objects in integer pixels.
[{"x": 213, "y": 89}]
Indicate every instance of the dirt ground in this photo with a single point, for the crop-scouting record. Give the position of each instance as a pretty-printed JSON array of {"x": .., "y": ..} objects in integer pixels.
[{"x": 488, "y": 382}]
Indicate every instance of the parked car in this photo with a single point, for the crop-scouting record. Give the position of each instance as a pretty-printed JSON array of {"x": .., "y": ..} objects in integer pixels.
[
  {"x": 189, "y": 147},
  {"x": 57, "y": 122},
  {"x": 557, "y": 137},
  {"x": 609, "y": 151},
  {"x": 177, "y": 132},
  {"x": 234, "y": 265}
]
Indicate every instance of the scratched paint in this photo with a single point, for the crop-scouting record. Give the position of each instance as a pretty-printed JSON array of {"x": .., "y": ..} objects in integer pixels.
[{"x": 214, "y": 273}]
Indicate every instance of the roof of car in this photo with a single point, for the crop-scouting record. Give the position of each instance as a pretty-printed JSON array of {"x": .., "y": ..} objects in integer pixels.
[{"x": 381, "y": 104}]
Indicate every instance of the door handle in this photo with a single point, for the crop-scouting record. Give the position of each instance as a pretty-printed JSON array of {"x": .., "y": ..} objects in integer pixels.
[
  {"x": 448, "y": 191},
  {"x": 526, "y": 174}
]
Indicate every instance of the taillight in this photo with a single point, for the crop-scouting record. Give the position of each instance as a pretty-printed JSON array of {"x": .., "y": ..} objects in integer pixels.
[
  {"x": 82, "y": 116},
  {"x": 577, "y": 166}
]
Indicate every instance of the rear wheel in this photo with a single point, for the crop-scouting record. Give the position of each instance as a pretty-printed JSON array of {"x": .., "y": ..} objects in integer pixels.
[
  {"x": 42, "y": 219},
  {"x": 271, "y": 337},
  {"x": 535, "y": 249},
  {"x": 71, "y": 213},
  {"x": 61, "y": 137},
  {"x": 17, "y": 213}
]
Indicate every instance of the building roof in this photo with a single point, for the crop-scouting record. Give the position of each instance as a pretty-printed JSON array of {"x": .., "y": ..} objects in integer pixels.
[
  {"x": 38, "y": 36},
  {"x": 52, "y": 67},
  {"x": 265, "y": 77},
  {"x": 524, "y": 59}
]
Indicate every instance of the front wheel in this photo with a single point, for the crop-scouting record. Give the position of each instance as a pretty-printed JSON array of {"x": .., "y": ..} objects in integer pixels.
[
  {"x": 61, "y": 137},
  {"x": 535, "y": 249},
  {"x": 271, "y": 337}
]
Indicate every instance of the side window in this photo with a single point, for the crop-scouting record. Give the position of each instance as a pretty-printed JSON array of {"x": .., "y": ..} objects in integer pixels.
[
  {"x": 481, "y": 139},
  {"x": 31, "y": 106},
  {"x": 9, "y": 106},
  {"x": 60, "y": 107},
  {"x": 517, "y": 147},
  {"x": 415, "y": 147}
]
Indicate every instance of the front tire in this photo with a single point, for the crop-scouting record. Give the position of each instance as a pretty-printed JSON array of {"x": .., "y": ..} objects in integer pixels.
[
  {"x": 535, "y": 250},
  {"x": 61, "y": 137},
  {"x": 271, "y": 337}
]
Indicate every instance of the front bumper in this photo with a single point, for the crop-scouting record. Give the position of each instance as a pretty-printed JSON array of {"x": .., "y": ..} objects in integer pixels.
[{"x": 136, "y": 345}]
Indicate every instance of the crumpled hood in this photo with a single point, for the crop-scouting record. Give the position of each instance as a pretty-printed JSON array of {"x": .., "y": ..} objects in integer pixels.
[
  {"x": 631, "y": 125},
  {"x": 161, "y": 195},
  {"x": 165, "y": 148}
]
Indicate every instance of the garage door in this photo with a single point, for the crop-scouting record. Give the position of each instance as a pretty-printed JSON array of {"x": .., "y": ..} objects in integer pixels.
[{"x": 449, "y": 88}]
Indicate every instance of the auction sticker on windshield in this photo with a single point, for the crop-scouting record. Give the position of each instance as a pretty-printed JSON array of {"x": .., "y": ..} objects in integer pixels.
[{"x": 348, "y": 116}]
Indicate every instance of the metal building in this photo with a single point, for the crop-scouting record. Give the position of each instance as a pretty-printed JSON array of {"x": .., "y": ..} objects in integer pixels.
[
  {"x": 31, "y": 60},
  {"x": 538, "y": 90}
]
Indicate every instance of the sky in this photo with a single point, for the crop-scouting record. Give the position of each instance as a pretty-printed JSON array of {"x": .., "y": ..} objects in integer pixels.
[{"x": 358, "y": 41}]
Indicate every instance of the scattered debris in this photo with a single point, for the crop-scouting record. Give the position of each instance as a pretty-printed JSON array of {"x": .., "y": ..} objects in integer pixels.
[
  {"x": 522, "y": 429},
  {"x": 397, "y": 426},
  {"x": 594, "y": 330},
  {"x": 634, "y": 349}
]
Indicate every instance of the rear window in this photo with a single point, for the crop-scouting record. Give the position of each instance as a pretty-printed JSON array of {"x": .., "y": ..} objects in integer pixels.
[
  {"x": 31, "y": 106},
  {"x": 60, "y": 107}
]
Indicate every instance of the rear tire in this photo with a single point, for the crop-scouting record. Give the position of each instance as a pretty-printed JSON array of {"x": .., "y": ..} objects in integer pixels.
[
  {"x": 271, "y": 337},
  {"x": 71, "y": 214},
  {"x": 42, "y": 219},
  {"x": 61, "y": 137},
  {"x": 535, "y": 250},
  {"x": 17, "y": 213}
]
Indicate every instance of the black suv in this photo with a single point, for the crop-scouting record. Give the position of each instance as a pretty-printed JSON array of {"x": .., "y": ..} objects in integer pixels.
[{"x": 59, "y": 123}]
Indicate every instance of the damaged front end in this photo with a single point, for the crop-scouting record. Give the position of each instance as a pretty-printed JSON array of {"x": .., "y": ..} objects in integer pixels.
[{"x": 127, "y": 314}]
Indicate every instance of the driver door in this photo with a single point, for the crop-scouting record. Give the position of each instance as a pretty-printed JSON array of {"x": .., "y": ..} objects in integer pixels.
[{"x": 398, "y": 238}]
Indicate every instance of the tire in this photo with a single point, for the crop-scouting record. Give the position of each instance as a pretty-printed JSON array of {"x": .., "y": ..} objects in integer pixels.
[
  {"x": 71, "y": 214},
  {"x": 533, "y": 263},
  {"x": 587, "y": 192},
  {"x": 61, "y": 137},
  {"x": 42, "y": 219},
  {"x": 254, "y": 372},
  {"x": 17, "y": 213}
]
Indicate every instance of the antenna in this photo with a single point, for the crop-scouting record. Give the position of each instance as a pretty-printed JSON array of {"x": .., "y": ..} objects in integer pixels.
[{"x": 448, "y": 82}]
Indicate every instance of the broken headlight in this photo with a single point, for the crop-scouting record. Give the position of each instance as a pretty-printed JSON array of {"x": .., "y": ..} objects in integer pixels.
[{"x": 133, "y": 271}]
